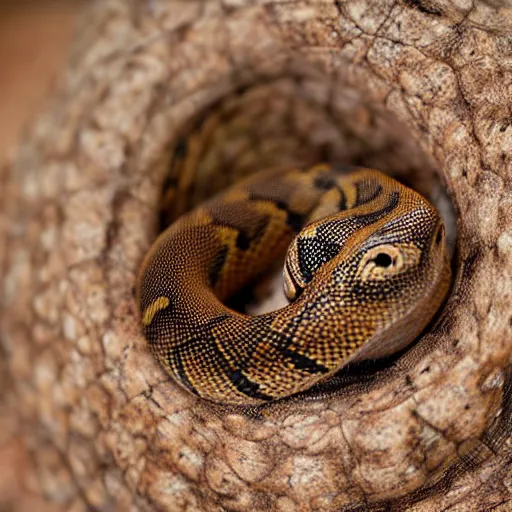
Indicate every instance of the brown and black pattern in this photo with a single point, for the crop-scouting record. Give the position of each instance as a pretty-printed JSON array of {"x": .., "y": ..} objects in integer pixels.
[{"x": 366, "y": 268}]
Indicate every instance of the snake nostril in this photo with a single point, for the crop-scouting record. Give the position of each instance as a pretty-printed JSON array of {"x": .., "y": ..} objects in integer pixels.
[{"x": 383, "y": 260}]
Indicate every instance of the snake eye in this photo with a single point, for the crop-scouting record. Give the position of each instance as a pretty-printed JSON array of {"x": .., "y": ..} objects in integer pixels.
[{"x": 383, "y": 260}]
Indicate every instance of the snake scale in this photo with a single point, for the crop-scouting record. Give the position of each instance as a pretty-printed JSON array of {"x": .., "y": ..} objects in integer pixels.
[{"x": 366, "y": 269}]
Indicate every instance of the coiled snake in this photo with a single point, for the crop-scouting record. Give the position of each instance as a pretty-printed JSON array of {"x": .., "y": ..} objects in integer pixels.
[{"x": 366, "y": 269}]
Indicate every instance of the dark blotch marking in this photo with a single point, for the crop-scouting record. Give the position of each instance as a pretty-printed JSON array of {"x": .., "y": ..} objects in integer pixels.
[
  {"x": 294, "y": 220},
  {"x": 250, "y": 225},
  {"x": 242, "y": 241},
  {"x": 366, "y": 191},
  {"x": 369, "y": 218},
  {"x": 342, "y": 204},
  {"x": 216, "y": 266},
  {"x": 177, "y": 358},
  {"x": 324, "y": 182},
  {"x": 205, "y": 340},
  {"x": 313, "y": 253},
  {"x": 330, "y": 229},
  {"x": 246, "y": 386},
  {"x": 302, "y": 362}
]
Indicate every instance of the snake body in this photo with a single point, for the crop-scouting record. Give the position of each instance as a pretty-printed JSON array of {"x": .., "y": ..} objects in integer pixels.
[{"x": 366, "y": 269}]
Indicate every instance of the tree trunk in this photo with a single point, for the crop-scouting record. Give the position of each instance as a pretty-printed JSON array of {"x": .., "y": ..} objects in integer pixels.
[{"x": 418, "y": 88}]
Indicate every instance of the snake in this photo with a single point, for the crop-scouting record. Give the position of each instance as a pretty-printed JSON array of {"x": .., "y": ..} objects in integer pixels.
[{"x": 366, "y": 268}]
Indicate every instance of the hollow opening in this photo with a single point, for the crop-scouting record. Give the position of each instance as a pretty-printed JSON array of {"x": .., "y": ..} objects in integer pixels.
[{"x": 300, "y": 118}]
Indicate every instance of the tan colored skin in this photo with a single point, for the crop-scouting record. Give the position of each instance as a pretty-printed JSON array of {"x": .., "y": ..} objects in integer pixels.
[{"x": 367, "y": 272}]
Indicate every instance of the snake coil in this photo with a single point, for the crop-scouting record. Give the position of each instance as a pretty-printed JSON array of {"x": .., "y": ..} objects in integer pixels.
[{"x": 366, "y": 269}]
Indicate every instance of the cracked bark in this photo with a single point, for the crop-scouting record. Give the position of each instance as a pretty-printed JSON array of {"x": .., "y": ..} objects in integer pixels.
[{"x": 417, "y": 88}]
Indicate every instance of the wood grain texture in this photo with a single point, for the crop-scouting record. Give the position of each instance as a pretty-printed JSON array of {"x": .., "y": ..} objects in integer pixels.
[{"x": 420, "y": 87}]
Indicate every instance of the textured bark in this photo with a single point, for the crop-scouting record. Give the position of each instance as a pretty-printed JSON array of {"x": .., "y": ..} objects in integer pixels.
[{"x": 418, "y": 88}]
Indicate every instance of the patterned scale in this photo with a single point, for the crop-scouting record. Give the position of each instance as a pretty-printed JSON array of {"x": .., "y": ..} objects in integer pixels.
[{"x": 366, "y": 269}]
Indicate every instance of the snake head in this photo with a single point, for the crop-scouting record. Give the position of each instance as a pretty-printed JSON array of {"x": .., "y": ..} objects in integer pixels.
[
  {"x": 398, "y": 278},
  {"x": 384, "y": 267}
]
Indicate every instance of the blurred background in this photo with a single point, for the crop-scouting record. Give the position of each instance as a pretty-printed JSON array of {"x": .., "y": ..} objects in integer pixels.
[{"x": 35, "y": 38}]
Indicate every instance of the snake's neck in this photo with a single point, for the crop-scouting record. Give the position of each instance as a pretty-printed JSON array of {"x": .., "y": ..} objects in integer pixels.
[{"x": 354, "y": 329}]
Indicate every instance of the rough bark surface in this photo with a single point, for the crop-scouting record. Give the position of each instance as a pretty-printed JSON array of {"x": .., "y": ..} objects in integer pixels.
[{"x": 415, "y": 87}]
